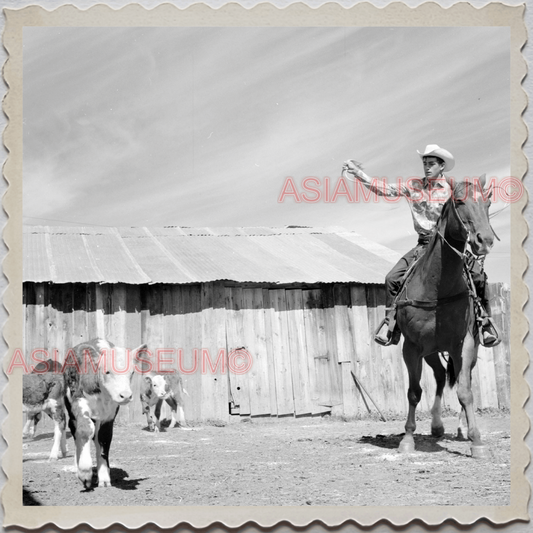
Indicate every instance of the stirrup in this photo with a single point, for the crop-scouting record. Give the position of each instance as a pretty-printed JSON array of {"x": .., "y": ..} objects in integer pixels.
[
  {"x": 392, "y": 336},
  {"x": 494, "y": 337},
  {"x": 383, "y": 341}
]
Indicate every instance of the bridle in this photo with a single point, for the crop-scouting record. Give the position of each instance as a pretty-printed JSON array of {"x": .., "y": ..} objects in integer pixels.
[
  {"x": 460, "y": 253},
  {"x": 465, "y": 229}
]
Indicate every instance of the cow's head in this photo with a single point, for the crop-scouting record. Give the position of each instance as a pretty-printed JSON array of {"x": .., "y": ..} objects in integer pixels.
[
  {"x": 158, "y": 384},
  {"x": 115, "y": 376}
]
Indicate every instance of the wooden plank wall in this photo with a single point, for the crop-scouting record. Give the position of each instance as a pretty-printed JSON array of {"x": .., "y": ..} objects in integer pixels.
[{"x": 306, "y": 344}]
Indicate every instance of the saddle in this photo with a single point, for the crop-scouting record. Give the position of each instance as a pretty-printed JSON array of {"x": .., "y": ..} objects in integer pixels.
[
  {"x": 484, "y": 322},
  {"x": 394, "y": 333}
]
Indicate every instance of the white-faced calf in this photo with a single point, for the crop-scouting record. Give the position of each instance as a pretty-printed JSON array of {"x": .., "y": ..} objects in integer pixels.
[
  {"x": 97, "y": 381},
  {"x": 42, "y": 392},
  {"x": 166, "y": 387}
]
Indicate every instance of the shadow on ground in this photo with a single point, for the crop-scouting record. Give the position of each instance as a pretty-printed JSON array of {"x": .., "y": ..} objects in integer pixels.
[
  {"x": 28, "y": 498},
  {"x": 44, "y": 436},
  {"x": 119, "y": 479},
  {"x": 423, "y": 443}
]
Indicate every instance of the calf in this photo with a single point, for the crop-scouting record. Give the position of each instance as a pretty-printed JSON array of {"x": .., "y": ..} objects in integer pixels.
[
  {"x": 42, "y": 392},
  {"x": 159, "y": 387},
  {"x": 97, "y": 382}
]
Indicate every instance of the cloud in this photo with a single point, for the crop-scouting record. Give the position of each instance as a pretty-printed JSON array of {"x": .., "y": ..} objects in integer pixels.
[{"x": 201, "y": 126}]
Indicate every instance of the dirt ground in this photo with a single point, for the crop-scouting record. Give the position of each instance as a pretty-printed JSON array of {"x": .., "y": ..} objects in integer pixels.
[{"x": 308, "y": 461}]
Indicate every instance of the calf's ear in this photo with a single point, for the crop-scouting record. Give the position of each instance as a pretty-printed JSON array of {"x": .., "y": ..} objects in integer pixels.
[{"x": 143, "y": 360}]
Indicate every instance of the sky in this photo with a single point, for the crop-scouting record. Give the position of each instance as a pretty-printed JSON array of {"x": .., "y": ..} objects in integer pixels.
[{"x": 204, "y": 126}]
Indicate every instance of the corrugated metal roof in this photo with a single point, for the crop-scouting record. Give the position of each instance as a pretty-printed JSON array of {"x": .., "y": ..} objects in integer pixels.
[{"x": 193, "y": 255}]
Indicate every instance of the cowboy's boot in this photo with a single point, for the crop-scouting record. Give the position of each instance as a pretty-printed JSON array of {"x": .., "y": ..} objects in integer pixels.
[
  {"x": 489, "y": 335},
  {"x": 388, "y": 333}
]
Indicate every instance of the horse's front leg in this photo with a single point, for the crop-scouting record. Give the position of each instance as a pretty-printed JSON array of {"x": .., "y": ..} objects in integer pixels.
[
  {"x": 439, "y": 371},
  {"x": 466, "y": 398},
  {"x": 414, "y": 393}
]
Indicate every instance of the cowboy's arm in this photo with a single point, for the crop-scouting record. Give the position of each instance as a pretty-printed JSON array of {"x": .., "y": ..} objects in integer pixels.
[{"x": 379, "y": 187}]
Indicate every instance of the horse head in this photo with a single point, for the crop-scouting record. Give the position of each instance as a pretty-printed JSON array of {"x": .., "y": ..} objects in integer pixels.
[{"x": 471, "y": 203}]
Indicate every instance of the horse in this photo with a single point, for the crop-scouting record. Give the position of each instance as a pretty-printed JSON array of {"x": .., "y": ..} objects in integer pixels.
[{"x": 435, "y": 309}]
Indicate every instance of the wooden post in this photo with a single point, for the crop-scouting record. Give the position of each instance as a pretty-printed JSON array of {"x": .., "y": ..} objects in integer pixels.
[{"x": 360, "y": 385}]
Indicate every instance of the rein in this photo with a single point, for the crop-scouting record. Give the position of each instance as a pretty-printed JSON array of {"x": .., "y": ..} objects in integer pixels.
[{"x": 463, "y": 225}]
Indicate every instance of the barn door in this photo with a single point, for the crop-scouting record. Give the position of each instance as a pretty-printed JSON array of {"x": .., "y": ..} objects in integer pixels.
[
  {"x": 319, "y": 351},
  {"x": 277, "y": 341},
  {"x": 215, "y": 381},
  {"x": 247, "y": 352},
  {"x": 239, "y": 397}
]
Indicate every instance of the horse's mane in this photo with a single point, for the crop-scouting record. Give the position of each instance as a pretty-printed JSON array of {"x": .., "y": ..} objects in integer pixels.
[
  {"x": 471, "y": 185},
  {"x": 460, "y": 191}
]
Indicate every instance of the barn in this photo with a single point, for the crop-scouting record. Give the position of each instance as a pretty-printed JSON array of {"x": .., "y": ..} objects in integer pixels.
[{"x": 261, "y": 322}]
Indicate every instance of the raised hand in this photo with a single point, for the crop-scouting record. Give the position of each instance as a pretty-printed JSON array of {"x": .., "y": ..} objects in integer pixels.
[{"x": 353, "y": 167}]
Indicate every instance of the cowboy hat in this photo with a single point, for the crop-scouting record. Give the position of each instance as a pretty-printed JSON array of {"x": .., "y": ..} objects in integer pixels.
[{"x": 436, "y": 151}]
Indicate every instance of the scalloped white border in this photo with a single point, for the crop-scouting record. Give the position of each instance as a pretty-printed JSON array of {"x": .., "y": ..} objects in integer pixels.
[{"x": 331, "y": 14}]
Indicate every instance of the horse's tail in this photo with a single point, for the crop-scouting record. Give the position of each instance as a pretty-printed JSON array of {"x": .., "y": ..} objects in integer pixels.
[{"x": 450, "y": 373}]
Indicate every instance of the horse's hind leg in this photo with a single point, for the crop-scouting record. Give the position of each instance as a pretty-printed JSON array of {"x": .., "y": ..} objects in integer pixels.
[
  {"x": 414, "y": 368},
  {"x": 466, "y": 398},
  {"x": 437, "y": 427},
  {"x": 462, "y": 426}
]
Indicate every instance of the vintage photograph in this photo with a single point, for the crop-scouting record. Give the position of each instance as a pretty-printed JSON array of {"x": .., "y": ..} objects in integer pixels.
[{"x": 266, "y": 266}]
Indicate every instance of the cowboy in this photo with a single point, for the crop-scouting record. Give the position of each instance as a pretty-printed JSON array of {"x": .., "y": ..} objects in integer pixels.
[{"x": 426, "y": 199}]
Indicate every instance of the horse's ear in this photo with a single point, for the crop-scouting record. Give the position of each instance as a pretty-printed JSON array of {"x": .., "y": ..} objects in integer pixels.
[{"x": 482, "y": 180}]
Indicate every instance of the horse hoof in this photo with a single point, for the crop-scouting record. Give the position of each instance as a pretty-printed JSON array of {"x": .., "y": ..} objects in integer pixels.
[
  {"x": 406, "y": 447},
  {"x": 437, "y": 431},
  {"x": 480, "y": 452}
]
